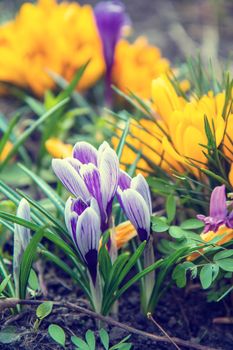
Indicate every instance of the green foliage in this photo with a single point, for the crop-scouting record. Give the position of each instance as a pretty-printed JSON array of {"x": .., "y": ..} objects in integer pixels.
[
  {"x": 90, "y": 342},
  {"x": 42, "y": 311},
  {"x": 57, "y": 334}
]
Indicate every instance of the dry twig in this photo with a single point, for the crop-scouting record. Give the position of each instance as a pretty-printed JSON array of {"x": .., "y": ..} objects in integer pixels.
[{"x": 9, "y": 303}]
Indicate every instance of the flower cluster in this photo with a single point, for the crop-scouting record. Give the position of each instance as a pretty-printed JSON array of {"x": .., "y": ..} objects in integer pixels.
[
  {"x": 61, "y": 37},
  {"x": 94, "y": 178},
  {"x": 53, "y": 37},
  {"x": 176, "y": 137}
]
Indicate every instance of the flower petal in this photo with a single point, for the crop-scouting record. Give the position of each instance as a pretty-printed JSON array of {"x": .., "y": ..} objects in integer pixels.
[
  {"x": 70, "y": 178},
  {"x": 124, "y": 180},
  {"x": 87, "y": 239},
  {"x": 218, "y": 207},
  {"x": 110, "y": 18},
  {"x": 85, "y": 153},
  {"x": 136, "y": 211},
  {"x": 22, "y": 233},
  {"x": 108, "y": 164},
  {"x": 139, "y": 184}
]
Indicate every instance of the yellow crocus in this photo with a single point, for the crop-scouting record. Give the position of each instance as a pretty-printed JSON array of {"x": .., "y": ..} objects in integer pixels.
[
  {"x": 136, "y": 64},
  {"x": 223, "y": 231},
  {"x": 50, "y": 37},
  {"x": 57, "y": 149}
]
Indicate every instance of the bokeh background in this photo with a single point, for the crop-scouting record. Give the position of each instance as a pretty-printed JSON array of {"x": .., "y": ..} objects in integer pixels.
[{"x": 181, "y": 28}]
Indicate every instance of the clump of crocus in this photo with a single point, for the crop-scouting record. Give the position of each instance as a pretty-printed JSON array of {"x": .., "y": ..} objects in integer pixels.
[
  {"x": 110, "y": 19},
  {"x": 94, "y": 178},
  {"x": 219, "y": 214}
]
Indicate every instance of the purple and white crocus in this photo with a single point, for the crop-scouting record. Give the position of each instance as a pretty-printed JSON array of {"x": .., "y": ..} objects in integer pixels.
[
  {"x": 91, "y": 173},
  {"x": 83, "y": 223},
  {"x": 134, "y": 197},
  {"x": 218, "y": 214},
  {"x": 110, "y": 19},
  {"x": 22, "y": 238}
]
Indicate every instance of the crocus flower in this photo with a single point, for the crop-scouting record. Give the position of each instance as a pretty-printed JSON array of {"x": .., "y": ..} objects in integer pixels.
[
  {"x": 134, "y": 197},
  {"x": 110, "y": 19},
  {"x": 21, "y": 239},
  {"x": 91, "y": 173},
  {"x": 83, "y": 224},
  {"x": 218, "y": 214}
]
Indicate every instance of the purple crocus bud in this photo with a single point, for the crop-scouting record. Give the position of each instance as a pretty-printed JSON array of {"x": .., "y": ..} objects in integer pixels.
[
  {"x": 91, "y": 174},
  {"x": 22, "y": 237},
  {"x": 83, "y": 224},
  {"x": 218, "y": 214},
  {"x": 110, "y": 18},
  {"x": 134, "y": 198}
]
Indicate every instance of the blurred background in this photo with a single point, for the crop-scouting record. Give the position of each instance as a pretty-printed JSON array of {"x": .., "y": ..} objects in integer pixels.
[{"x": 181, "y": 28}]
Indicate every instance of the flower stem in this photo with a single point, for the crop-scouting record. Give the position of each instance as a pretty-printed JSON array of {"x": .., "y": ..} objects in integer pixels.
[{"x": 149, "y": 279}]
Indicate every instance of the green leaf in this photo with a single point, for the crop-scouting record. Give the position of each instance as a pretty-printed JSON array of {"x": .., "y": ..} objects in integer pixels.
[
  {"x": 4, "y": 283},
  {"x": 46, "y": 189},
  {"x": 33, "y": 280},
  {"x": 24, "y": 136},
  {"x": 170, "y": 208},
  {"x": 122, "y": 141},
  {"x": 79, "y": 342},
  {"x": 27, "y": 260},
  {"x": 179, "y": 273},
  {"x": 159, "y": 224},
  {"x": 90, "y": 339},
  {"x": 57, "y": 334},
  {"x": 44, "y": 309},
  {"x": 223, "y": 254},
  {"x": 9, "y": 335},
  {"x": 192, "y": 224},
  {"x": 177, "y": 232},
  {"x": 208, "y": 274},
  {"x": 104, "y": 337},
  {"x": 225, "y": 264}
]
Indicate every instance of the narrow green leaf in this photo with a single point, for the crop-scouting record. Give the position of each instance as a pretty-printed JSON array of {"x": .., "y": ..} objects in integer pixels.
[
  {"x": 122, "y": 141},
  {"x": 24, "y": 136},
  {"x": 27, "y": 261},
  {"x": 170, "y": 208},
  {"x": 46, "y": 189},
  {"x": 4, "y": 283}
]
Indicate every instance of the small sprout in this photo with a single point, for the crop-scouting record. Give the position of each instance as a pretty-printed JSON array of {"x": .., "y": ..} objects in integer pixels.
[{"x": 42, "y": 311}]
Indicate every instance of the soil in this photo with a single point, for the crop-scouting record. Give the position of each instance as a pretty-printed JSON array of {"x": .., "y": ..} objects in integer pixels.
[{"x": 182, "y": 315}]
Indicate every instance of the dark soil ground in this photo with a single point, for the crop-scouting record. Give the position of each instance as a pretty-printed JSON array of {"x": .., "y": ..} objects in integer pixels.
[{"x": 186, "y": 316}]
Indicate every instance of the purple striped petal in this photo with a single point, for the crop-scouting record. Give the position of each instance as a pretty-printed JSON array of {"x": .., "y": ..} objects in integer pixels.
[
  {"x": 124, "y": 180},
  {"x": 218, "y": 207},
  {"x": 70, "y": 178},
  {"x": 140, "y": 185},
  {"x": 85, "y": 153},
  {"x": 87, "y": 237},
  {"x": 137, "y": 211},
  {"x": 108, "y": 164}
]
